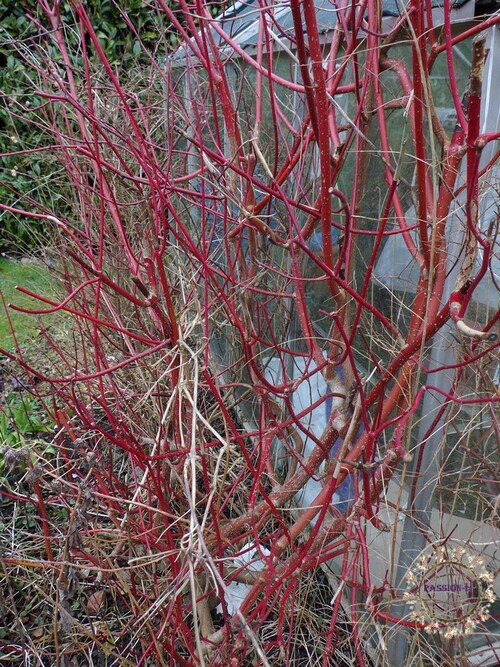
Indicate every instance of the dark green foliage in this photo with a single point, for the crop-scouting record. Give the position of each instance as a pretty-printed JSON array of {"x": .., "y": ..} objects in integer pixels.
[
  {"x": 131, "y": 33},
  {"x": 24, "y": 424},
  {"x": 127, "y": 31},
  {"x": 15, "y": 174}
]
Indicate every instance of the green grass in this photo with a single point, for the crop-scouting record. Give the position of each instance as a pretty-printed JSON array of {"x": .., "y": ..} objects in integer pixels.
[{"x": 33, "y": 277}]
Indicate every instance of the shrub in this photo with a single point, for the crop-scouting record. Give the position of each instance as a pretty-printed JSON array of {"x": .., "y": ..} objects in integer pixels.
[{"x": 246, "y": 389}]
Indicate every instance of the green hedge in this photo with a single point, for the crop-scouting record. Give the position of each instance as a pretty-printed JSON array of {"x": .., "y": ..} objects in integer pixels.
[{"x": 34, "y": 176}]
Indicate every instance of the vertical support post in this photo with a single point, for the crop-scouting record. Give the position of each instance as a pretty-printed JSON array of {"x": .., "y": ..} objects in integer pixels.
[{"x": 417, "y": 522}]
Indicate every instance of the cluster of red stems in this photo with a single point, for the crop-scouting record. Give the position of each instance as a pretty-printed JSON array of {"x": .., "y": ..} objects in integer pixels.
[{"x": 218, "y": 248}]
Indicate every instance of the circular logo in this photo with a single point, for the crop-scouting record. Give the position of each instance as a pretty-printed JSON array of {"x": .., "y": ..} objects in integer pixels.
[{"x": 449, "y": 590}]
